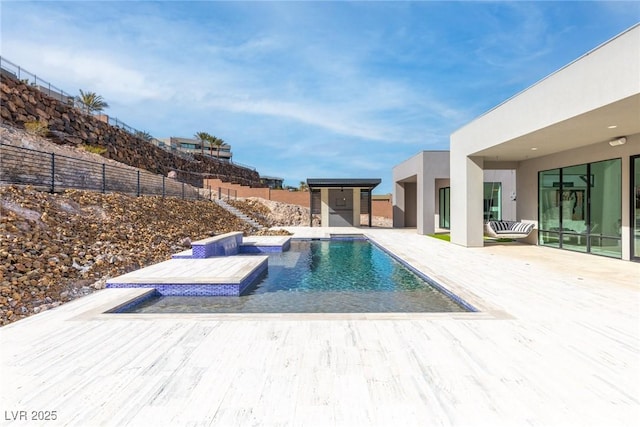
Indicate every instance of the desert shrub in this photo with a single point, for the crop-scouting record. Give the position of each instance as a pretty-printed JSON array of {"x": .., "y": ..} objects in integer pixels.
[
  {"x": 95, "y": 149},
  {"x": 38, "y": 128}
]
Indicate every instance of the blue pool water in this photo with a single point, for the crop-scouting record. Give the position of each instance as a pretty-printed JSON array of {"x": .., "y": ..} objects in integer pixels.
[{"x": 335, "y": 276}]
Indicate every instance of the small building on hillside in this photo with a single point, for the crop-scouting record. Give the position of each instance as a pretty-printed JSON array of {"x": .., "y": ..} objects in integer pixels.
[
  {"x": 272, "y": 182},
  {"x": 195, "y": 146}
]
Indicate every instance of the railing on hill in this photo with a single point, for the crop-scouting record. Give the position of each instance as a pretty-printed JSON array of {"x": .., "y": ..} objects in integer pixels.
[
  {"x": 9, "y": 68},
  {"x": 221, "y": 193},
  {"x": 15, "y": 71},
  {"x": 56, "y": 172}
]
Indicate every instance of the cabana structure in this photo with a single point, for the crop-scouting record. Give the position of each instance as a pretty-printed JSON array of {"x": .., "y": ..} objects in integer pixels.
[{"x": 341, "y": 201}]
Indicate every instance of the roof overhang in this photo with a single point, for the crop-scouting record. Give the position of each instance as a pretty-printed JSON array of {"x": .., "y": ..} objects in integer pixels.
[
  {"x": 368, "y": 184},
  {"x": 589, "y": 128},
  {"x": 594, "y": 99}
]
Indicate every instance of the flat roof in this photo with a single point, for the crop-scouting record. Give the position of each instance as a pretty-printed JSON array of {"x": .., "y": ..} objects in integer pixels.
[
  {"x": 369, "y": 183},
  {"x": 633, "y": 27}
]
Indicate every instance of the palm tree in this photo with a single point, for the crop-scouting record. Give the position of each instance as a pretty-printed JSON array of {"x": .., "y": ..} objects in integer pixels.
[
  {"x": 218, "y": 142},
  {"x": 202, "y": 137},
  {"x": 144, "y": 135},
  {"x": 210, "y": 141},
  {"x": 90, "y": 102}
]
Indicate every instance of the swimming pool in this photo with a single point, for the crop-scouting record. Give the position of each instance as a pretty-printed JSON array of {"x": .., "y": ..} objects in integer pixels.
[{"x": 322, "y": 276}]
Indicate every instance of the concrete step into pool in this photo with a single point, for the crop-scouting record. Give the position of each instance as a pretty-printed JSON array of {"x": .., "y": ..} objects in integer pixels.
[{"x": 219, "y": 276}]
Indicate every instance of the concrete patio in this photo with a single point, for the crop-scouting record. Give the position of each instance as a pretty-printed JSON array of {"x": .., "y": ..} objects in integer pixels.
[{"x": 556, "y": 343}]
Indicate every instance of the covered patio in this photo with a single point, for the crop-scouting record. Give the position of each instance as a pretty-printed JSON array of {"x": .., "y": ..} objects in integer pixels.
[{"x": 341, "y": 201}]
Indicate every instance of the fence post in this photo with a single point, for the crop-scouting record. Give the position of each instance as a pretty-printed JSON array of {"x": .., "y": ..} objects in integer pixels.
[
  {"x": 209, "y": 192},
  {"x": 183, "y": 191},
  {"x": 138, "y": 190},
  {"x": 163, "y": 190},
  {"x": 53, "y": 172},
  {"x": 104, "y": 178},
  {"x": 219, "y": 193}
]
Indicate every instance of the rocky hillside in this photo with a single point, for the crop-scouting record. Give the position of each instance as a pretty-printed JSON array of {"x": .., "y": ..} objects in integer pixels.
[
  {"x": 56, "y": 247},
  {"x": 21, "y": 103},
  {"x": 271, "y": 213}
]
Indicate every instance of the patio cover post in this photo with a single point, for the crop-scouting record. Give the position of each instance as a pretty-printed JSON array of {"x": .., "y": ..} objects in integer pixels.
[
  {"x": 369, "y": 203},
  {"x": 310, "y": 208}
]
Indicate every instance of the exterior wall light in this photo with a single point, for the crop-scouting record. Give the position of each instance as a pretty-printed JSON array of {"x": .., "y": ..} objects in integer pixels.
[{"x": 618, "y": 141}]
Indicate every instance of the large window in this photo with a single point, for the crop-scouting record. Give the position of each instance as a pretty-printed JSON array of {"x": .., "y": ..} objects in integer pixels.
[
  {"x": 492, "y": 201},
  {"x": 444, "y": 207},
  {"x": 580, "y": 208}
]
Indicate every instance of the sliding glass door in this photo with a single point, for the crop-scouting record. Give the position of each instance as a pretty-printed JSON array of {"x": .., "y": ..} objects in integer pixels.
[
  {"x": 606, "y": 208},
  {"x": 580, "y": 207},
  {"x": 549, "y": 208}
]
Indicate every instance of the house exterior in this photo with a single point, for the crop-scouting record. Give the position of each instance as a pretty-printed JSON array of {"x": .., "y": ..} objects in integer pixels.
[
  {"x": 422, "y": 193},
  {"x": 272, "y": 182},
  {"x": 573, "y": 140},
  {"x": 194, "y": 146}
]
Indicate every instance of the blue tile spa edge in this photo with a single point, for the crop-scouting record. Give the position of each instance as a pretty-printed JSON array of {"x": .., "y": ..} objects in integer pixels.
[{"x": 202, "y": 289}]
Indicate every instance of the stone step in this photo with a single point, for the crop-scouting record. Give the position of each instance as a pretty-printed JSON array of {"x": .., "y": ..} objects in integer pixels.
[{"x": 239, "y": 214}]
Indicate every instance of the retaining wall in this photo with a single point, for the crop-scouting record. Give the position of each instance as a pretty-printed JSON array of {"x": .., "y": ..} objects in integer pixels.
[{"x": 22, "y": 103}]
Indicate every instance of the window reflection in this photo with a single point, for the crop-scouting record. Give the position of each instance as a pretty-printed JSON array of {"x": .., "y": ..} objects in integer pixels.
[{"x": 580, "y": 208}]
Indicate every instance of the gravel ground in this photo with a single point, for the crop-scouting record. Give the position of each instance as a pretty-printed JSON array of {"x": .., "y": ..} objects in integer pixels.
[{"x": 57, "y": 247}]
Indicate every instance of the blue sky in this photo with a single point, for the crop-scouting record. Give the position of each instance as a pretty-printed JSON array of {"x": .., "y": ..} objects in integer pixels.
[{"x": 305, "y": 89}]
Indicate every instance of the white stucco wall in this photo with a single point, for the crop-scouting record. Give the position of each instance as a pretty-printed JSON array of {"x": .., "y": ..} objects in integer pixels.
[
  {"x": 416, "y": 185},
  {"x": 422, "y": 169}
]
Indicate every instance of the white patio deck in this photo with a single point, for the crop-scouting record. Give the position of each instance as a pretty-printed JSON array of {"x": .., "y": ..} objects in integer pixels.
[{"x": 557, "y": 344}]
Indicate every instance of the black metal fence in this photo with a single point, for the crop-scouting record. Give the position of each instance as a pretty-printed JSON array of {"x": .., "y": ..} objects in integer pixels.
[
  {"x": 222, "y": 193},
  {"x": 55, "y": 172}
]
